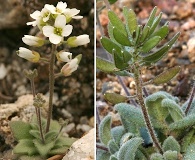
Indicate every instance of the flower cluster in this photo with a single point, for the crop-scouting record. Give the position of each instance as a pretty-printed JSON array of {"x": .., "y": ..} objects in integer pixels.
[{"x": 53, "y": 23}]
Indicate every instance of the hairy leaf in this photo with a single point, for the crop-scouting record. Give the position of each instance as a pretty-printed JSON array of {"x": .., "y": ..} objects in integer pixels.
[
  {"x": 128, "y": 150},
  {"x": 112, "y": 146},
  {"x": 25, "y": 147},
  {"x": 150, "y": 44},
  {"x": 170, "y": 155},
  {"x": 120, "y": 37},
  {"x": 102, "y": 155},
  {"x": 187, "y": 140},
  {"x": 162, "y": 32},
  {"x": 171, "y": 144},
  {"x": 105, "y": 130},
  {"x": 20, "y": 130},
  {"x": 117, "y": 133},
  {"x": 125, "y": 138},
  {"x": 156, "y": 156},
  {"x": 190, "y": 153}
]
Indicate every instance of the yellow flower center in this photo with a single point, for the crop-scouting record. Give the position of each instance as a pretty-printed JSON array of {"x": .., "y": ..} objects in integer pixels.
[{"x": 58, "y": 31}]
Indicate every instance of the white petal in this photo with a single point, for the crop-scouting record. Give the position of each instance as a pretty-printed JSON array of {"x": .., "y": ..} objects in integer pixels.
[
  {"x": 35, "y": 14},
  {"x": 33, "y": 23},
  {"x": 77, "y": 17},
  {"x": 55, "y": 39},
  {"x": 51, "y": 8},
  {"x": 74, "y": 12},
  {"x": 61, "y": 6},
  {"x": 67, "y": 30},
  {"x": 65, "y": 56},
  {"x": 25, "y": 53},
  {"x": 48, "y": 30},
  {"x": 60, "y": 21},
  {"x": 82, "y": 39}
]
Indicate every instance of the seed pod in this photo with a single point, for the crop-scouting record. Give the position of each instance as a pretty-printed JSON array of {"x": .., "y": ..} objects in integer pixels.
[
  {"x": 166, "y": 75},
  {"x": 150, "y": 44}
]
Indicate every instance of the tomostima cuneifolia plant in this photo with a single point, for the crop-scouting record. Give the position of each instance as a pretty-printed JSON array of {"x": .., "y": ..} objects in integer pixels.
[
  {"x": 158, "y": 128},
  {"x": 42, "y": 137}
]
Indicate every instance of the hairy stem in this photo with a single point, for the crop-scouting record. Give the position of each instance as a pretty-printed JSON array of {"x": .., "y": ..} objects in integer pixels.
[
  {"x": 190, "y": 99},
  {"x": 102, "y": 147},
  {"x": 51, "y": 86},
  {"x": 138, "y": 82},
  {"x": 38, "y": 111}
]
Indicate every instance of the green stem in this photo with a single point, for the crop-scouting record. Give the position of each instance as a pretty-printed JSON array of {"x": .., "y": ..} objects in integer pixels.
[
  {"x": 38, "y": 112},
  {"x": 138, "y": 82},
  {"x": 51, "y": 86}
]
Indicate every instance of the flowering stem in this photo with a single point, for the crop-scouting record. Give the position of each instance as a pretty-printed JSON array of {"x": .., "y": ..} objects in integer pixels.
[
  {"x": 38, "y": 111},
  {"x": 138, "y": 82},
  {"x": 190, "y": 99},
  {"x": 51, "y": 86}
]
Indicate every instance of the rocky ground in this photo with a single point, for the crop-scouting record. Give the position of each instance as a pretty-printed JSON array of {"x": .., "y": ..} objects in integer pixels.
[{"x": 73, "y": 97}]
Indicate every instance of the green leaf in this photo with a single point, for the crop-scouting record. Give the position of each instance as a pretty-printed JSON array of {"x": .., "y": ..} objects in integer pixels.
[
  {"x": 187, "y": 140},
  {"x": 145, "y": 136},
  {"x": 144, "y": 35},
  {"x": 43, "y": 149},
  {"x": 110, "y": 45},
  {"x": 138, "y": 33},
  {"x": 156, "y": 156},
  {"x": 57, "y": 151},
  {"x": 114, "y": 98},
  {"x": 174, "y": 109},
  {"x": 166, "y": 75},
  {"x": 125, "y": 138},
  {"x": 116, "y": 22},
  {"x": 35, "y": 134},
  {"x": 159, "y": 54},
  {"x": 119, "y": 60},
  {"x": 155, "y": 24},
  {"x": 128, "y": 150},
  {"x": 110, "y": 33},
  {"x": 120, "y": 37},
  {"x": 51, "y": 135},
  {"x": 102, "y": 155},
  {"x": 25, "y": 147},
  {"x": 64, "y": 141},
  {"x": 190, "y": 153},
  {"x": 113, "y": 157},
  {"x": 171, "y": 144},
  {"x": 117, "y": 133},
  {"x": 162, "y": 32},
  {"x": 152, "y": 17},
  {"x": 105, "y": 130},
  {"x": 170, "y": 155},
  {"x": 130, "y": 114},
  {"x": 131, "y": 21},
  {"x": 112, "y": 1},
  {"x": 184, "y": 123},
  {"x": 105, "y": 65},
  {"x": 112, "y": 146},
  {"x": 150, "y": 44},
  {"x": 55, "y": 125},
  {"x": 20, "y": 130},
  {"x": 155, "y": 109}
]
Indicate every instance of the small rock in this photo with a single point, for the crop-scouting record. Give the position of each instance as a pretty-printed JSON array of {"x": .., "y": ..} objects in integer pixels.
[{"x": 191, "y": 49}]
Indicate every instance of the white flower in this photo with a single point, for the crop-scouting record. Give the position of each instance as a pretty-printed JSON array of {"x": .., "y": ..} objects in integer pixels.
[
  {"x": 59, "y": 30},
  {"x": 28, "y": 54},
  {"x": 78, "y": 41},
  {"x": 71, "y": 13},
  {"x": 64, "y": 56},
  {"x": 33, "y": 41},
  {"x": 71, "y": 66},
  {"x": 35, "y": 15},
  {"x": 59, "y": 9},
  {"x": 45, "y": 14}
]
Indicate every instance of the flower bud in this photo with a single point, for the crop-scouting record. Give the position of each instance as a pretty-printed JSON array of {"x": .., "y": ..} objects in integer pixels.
[
  {"x": 33, "y": 41},
  {"x": 29, "y": 55},
  {"x": 71, "y": 66},
  {"x": 78, "y": 41},
  {"x": 64, "y": 56}
]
